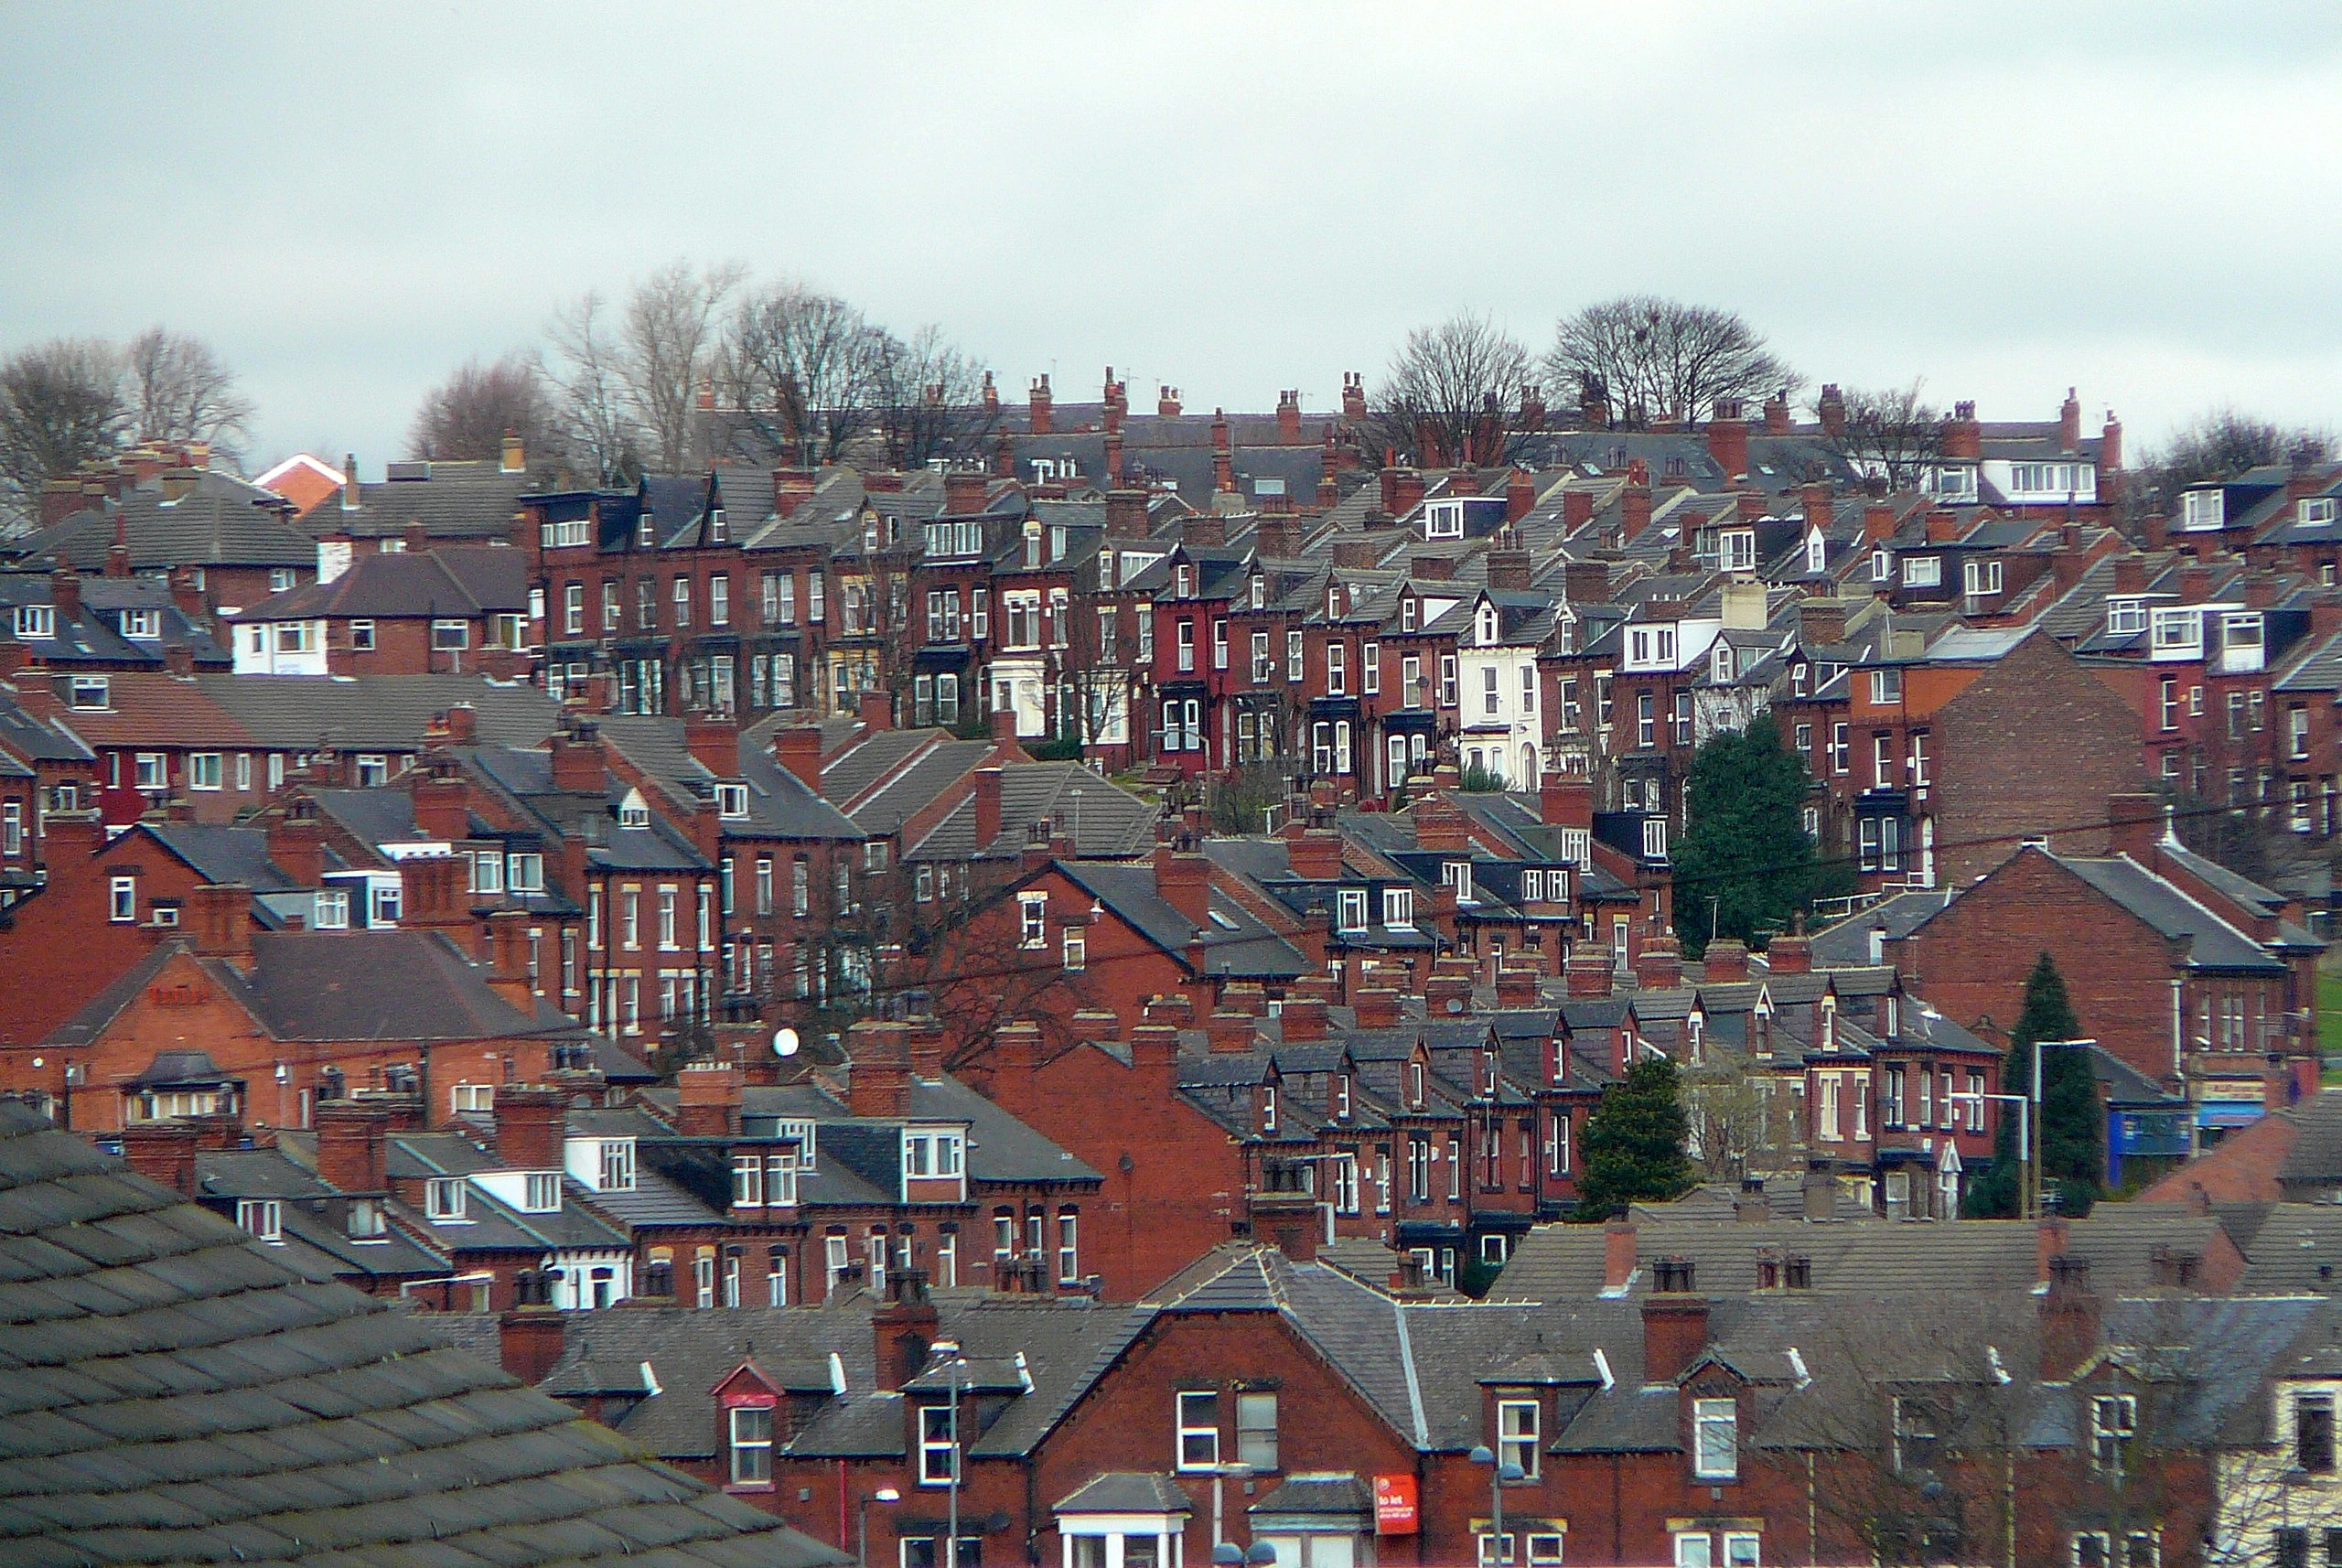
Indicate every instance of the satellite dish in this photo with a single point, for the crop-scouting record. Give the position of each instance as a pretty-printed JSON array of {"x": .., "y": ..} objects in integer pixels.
[{"x": 784, "y": 1041}]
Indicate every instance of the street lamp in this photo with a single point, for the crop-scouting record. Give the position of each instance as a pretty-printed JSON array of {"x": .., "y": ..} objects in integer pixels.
[
  {"x": 862, "y": 1523},
  {"x": 1498, "y": 1476},
  {"x": 2040, "y": 1046},
  {"x": 2023, "y": 1104}
]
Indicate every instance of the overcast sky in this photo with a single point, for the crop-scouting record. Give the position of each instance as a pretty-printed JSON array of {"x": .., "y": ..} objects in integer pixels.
[{"x": 2003, "y": 198}]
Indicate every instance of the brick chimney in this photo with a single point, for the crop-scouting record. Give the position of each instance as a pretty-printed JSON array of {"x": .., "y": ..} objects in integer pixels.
[
  {"x": 297, "y": 843},
  {"x": 433, "y": 892},
  {"x": 1223, "y": 456},
  {"x": 1963, "y": 433},
  {"x": 1728, "y": 437},
  {"x": 1675, "y": 1324},
  {"x": 1634, "y": 507},
  {"x": 1183, "y": 880},
  {"x": 65, "y": 593},
  {"x": 1353, "y": 397},
  {"x": 1659, "y": 966},
  {"x": 964, "y": 493},
  {"x": 1166, "y": 401},
  {"x": 1531, "y": 417},
  {"x": 991, "y": 394},
  {"x": 1313, "y": 855},
  {"x": 1587, "y": 974},
  {"x": 2069, "y": 423},
  {"x": 1565, "y": 801},
  {"x": 1439, "y": 826},
  {"x": 1376, "y": 1009},
  {"x": 1878, "y": 523},
  {"x": 1517, "y": 987},
  {"x": 986, "y": 795},
  {"x": 1752, "y": 1206},
  {"x": 714, "y": 741},
  {"x": 1113, "y": 459},
  {"x": 577, "y": 764},
  {"x": 875, "y": 709},
  {"x": 879, "y": 1069},
  {"x": 1509, "y": 568},
  {"x": 1230, "y": 1034},
  {"x": 1814, "y": 497},
  {"x": 164, "y": 1152},
  {"x": 903, "y": 1330},
  {"x": 221, "y": 915},
  {"x": 351, "y": 492},
  {"x": 1792, "y": 952},
  {"x": 531, "y": 1126},
  {"x": 1126, "y": 514},
  {"x": 1303, "y": 1019},
  {"x": 516, "y": 456},
  {"x": 1617, "y": 1254},
  {"x": 1038, "y": 403},
  {"x": 1830, "y": 410},
  {"x": 1941, "y": 525},
  {"x": 2070, "y": 1318},
  {"x": 791, "y": 489},
  {"x": 1289, "y": 419},
  {"x": 1725, "y": 961},
  {"x": 798, "y": 750},
  {"x": 529, "y": 1342},
  {"x": 508, "y": 951},
  {"x": 2110, "y": 445},
  {"x": 1776, "y": 413},
  {"x": 1821, "y": 622},
  {"x": 707, "y": 1100},
  {"x": 926, "y": 1039},
  {"x": 1447, "y": 995},
  {"x": 350, "y": 1153},
  {"x": 2134, "y": 824}
]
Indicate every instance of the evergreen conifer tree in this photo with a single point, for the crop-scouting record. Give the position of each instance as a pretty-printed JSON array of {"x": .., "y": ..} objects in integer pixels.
[
  {"x": 1635, "y": 1143},
  {"x": 2072, "y": 1131},
  {"x": 1743, "y": 865}
]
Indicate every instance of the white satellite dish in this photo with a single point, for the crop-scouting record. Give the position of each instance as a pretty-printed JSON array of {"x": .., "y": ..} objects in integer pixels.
[{"x": 784, "y": 1041}]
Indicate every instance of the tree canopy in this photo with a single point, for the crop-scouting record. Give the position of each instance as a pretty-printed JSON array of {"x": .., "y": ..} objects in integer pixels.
[
  {"x": 1635, "y": 1143},
  {"x": 1650, "y": 359},
  {"x": 1451, "y": 392},
  {"x": 1745, "y": 866},
  {"x": 2073, "y": 1132},
  {"x": 466, "y": 416}
]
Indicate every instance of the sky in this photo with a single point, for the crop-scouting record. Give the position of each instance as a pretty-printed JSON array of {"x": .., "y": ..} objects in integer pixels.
[{"x": 2004, "y": 200}]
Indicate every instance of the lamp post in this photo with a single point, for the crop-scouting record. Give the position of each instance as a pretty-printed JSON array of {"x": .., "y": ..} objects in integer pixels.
[
  {"x": 862, "y": 1523},
  {"x": 1498, "y": 1475},
  {"x": 2042, "y": 1127},
  {"x": 2023, "y": 1124},
  {"x": 957, "y": 1365}
]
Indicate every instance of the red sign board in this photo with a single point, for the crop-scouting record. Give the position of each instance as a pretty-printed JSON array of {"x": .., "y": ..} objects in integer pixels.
[{"x": 1394, "y": 1505}]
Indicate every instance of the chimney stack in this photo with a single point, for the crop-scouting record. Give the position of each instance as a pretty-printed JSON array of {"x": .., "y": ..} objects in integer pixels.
[
  {"x": 350, "y": 487},
  {"x": 903, "y": 1330},
  {"x": 1830, "y": 410},
  {"x": 708, "y": 1103},
  {"x": 1289, "y": 418},
  {"x": 1776, "y": 413},
  {"x": 1963, "y": 433},
  {"x": 577, "y": 766},
  {"x": 1183, "y": 880},
  {"x": 1038, "y": 404},
  {"x": 2069, "y": 423},
  {"x": 1587, "y": 973},
  {"x": 714, "y": 741},
  {"x": 297, "y": 843},
  {"x": 221, "y": 916},
  {"x": 2070, "y": 1318},
  {"x": 964, "y": 493},
  {"x": 532, "y": 1126},
  {"x": 1377, "y": 1009},
  {"x": 164, "y": 1152},
  {"x": 797, "y": 749},
  {"x": 65, "y": 593},
  {"x": 987, "y": 806},
  {"x": 878, "y": 1077},
  {"x": 1728, "y": 438},
  {"x": 1725, "y": 961},
  {"x": 351, "y": 1152},
  {"x": 1618, "y": 1255},
  {"x": 1353, "y": 397}
]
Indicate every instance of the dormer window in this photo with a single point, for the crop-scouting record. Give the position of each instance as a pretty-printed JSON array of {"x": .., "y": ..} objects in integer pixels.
[
  {"x": 1259, "y": 591},
  {"x": 2314, "y": 508},
  {"x": 632, "y": 812},
  {"x": 1183, "y": 581},
  {"x": 92, "y": 693},
  {"x": 2203, "y": 508},
  {"x": 1268, "y": 1108},
  {"x": 1443, "y": 520},
  {"x": 731, "y": 801},
  {"x": 1410, "y": 608},
  {"x": 1723, "y": 662},
  {"x": 646, "y": 535},
  {"x": 36, "y": 620},
  {"x": 1487, "y": 628},
  {"x": 2125, "y": 617},
  {"x": 617, "y": 1165},
  {"x": 149, "y": 623},
  {"x": 1817, "y": 551},
  {"x": 1736, "y": 550},
  {"x": 443, "y": 1199},
  {"x": 1415, "y": 1085},
  {"x": 1342, "y": 1095},
  {"x": 1922, "y": 571},
  {"x": 717, "y": 530},
  {"x": 542, "y": 1193}
]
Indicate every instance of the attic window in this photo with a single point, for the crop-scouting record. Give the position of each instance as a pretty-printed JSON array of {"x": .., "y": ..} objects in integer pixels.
[
  {"x": 36, "y": 620},
  {"x": 1223, "y": 921},
  {"x": 731, "y": 801},
  {"x": 92, "y": 692},
  {"x": 1260, "y": 589},
  {"x": 644, "y": 535},
  {"x": 633, "y": 813},
  {"x": 2316, "y": 508},
  {"x": 717, "y": 528},
  {"x": 1443, "y": 520},
  {"x": 149, "y": 623},
  {"x": 264, "y": 1218}
]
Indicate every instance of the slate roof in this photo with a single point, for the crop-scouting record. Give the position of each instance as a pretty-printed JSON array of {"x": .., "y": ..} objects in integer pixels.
[
  {"x": 2212, "y": 941},
  {"x": 458, "y": 583},
  {"x": 780, "y": 803},
  {"x": 467, "y": 499},
  {"x": 223, "y": 522},
  {"x": 386, "y": 713},
  {"x": 1242, "y": 945},
  {"x": 177, "y": 1392},
  {"x": 1125, "y": 1491},
  {"x": 1103, "y": 820}
]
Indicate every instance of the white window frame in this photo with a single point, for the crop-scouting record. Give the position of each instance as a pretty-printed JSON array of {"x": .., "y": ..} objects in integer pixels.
[
  {"x": 1189, "y": 1432},
  {"x": 1711, "y": 1418}
]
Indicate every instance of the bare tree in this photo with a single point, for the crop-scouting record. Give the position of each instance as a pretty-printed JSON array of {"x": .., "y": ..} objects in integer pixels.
[
  {"x": 1654, "y": 358},
  {"x": 668, "y": 337},
  {"x": 805, "y": 368},
  {"x": 1890, "y": 434},
  {"x": 466, "y": 416},
  {"x": 1450, "y": 391},
  {"x": 178, "y": 390},
  {"x": 930, "y": 400},
  {"x": 2220, "y": 444},
  {"x": 587, "y": 379},
  {"x": 60, "y": 406}
]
